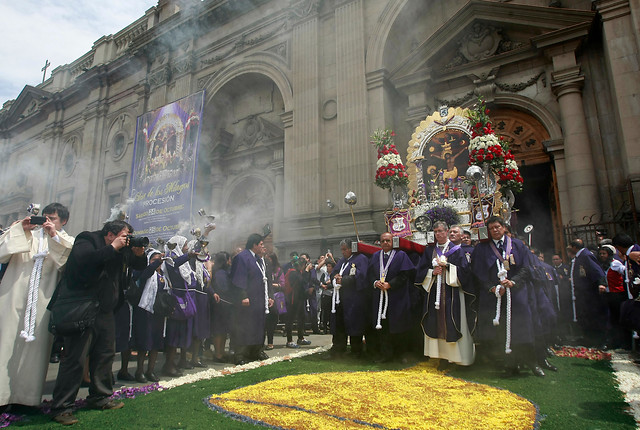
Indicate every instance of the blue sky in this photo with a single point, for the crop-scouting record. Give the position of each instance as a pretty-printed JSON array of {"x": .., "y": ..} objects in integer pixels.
[{"x": 60, "y": 31}]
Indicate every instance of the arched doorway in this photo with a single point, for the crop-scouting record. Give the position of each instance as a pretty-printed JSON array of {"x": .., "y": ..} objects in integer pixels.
[
  {"x": 241, "y": 157},
  {"x": 537, "y": 205}
]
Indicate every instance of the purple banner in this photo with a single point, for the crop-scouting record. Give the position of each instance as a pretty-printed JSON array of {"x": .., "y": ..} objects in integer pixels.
[{"x": 164, "y": 167}]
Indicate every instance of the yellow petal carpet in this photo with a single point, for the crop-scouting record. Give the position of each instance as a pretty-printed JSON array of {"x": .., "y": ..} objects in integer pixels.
[{"x": 416, "y": 398}]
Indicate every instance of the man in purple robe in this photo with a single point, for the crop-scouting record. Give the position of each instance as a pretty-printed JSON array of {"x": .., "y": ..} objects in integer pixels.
[
  {"x": 350, "y": 302},
  {"x": 591, "y": 310},
  {"x": 391, "y": 273},
  {"x": 448, "y": 319},
  {"x": 252, "y": 301},
  {"x": 503, "y": 265}
]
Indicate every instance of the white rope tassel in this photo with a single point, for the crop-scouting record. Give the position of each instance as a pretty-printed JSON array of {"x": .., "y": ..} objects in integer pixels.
[
  {"x": 434, "y": 262},
  {"x": 496, "y": 320},
  {"x": 266, "y": 295},
  {"x": 130, "y": 320},
  {"x": 164, "y": 328},
  {"x": 573, "y": 291},
  {"x": 335, "y": 299},
  {"x": 502, "y": 275},
  {"x": 31, "y": 310},
  {"x": 382, "y": 308},
  {"x": 507, "y": 346}
]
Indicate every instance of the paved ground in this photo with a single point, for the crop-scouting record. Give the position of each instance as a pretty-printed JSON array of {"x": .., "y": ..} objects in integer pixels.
[{"x": 279, "y": 350}]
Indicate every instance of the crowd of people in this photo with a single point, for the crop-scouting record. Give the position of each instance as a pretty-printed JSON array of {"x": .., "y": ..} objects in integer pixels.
[{"x": 496, "y": 301}]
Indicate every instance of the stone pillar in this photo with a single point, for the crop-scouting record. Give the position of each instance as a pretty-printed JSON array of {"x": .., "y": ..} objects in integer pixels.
[
  {"x": 567, "y": 83},
  {"x": 302, "y": 141},
  {"x": 622, "y": 52},
  {"x": 354, "y": 155}
]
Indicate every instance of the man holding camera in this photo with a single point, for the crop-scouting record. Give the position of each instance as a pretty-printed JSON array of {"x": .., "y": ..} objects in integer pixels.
[
  {"x": 100, "y": 264},
  {"x": 34, "y": 251}
]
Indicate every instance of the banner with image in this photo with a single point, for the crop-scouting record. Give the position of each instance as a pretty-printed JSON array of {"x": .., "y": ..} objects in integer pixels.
[{"x": 164, "y": 167}]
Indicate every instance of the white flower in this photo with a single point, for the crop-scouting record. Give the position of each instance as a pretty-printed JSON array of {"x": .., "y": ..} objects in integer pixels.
[
  {"x": 212, "y": 373},
  {"x": 511, "y": 164}
]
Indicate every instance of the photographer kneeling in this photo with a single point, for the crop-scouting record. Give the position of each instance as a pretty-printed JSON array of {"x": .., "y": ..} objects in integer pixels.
[{"x": 98, "y": 269}]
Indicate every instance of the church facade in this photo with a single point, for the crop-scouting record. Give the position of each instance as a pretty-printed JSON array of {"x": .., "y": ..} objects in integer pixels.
[{"x": 294, "y": 88}]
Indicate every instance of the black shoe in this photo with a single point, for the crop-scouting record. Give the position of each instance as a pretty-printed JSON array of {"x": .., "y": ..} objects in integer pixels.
[
  {"x": 537, "y": 371},
  {"x": 125, "y": 376},
  {"x": 173, "y": 373},
  {"x": 140, "y": 378},
  {"x": 198, "y": 364},
  {"x": 316, "y": 331},
  {"x": 548, "y": 365},
  {"x": 262, "y": 355},
  {"x": 151, "y": 377},
  {"x": 85, "y": 384},
  {"x": 111, "y": 404},
  {"x": 55, "y": 358},
  {"x": 65, "y": 418}
]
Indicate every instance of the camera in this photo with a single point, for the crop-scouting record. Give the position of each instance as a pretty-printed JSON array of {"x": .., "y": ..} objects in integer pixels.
[
  {"x": 138, "y": 241},
  {"x": 37, "y": 220}
]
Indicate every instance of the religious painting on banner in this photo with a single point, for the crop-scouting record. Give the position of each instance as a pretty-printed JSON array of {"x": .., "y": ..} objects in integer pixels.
[
  {"x": 399, "y": 222},
  {"x": 164, "y": 167}
]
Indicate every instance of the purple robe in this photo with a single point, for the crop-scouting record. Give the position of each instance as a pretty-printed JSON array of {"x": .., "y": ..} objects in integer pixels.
[
  {"x": 355, "y": 296},
  {"x": 591, "y": 309},
  {"x": 222, "y": 311},
  {"x": 484, "y": 267},
  {"x": 179, "y": 332},
  {"x": 447, "y": 321},
  {"x": 247, "y": 282},
  {"x": 543, "y": 296},
  {"x": 400, "y": 277}
]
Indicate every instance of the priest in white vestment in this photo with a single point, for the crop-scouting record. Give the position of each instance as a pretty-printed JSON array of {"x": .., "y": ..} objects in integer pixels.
[{"x": 35, "y": 256}]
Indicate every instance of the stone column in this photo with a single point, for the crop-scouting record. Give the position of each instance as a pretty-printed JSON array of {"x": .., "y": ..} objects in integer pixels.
[
  {"x": 567, "y": 83},
  {"x": 622, "y": 52},
  {"x": 302, "y": 141},
  {"x": 354, "y": 153}
]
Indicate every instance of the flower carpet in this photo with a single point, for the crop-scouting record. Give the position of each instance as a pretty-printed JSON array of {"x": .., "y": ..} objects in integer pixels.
[{"x": 420, "y": 397}]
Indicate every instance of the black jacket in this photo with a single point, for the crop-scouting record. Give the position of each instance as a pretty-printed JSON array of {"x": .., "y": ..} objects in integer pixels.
[{"x": 97, "y": 267}]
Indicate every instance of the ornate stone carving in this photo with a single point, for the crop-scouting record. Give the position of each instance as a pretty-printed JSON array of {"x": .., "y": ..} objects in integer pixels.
[
  {"x": 68, "y": 158},
  {"x": 301, "y": 9},
  {"x": 182, "y": 66},
  {"x": 517, "y": 87},
  {"x": 329, "y": 109},
  {"x": 281, "y": 50},
  {"x": 480, "y": 42},
  {"x": 243, "y": 41},
  {"x": 456, "y": 102},
  {"x": 202, "y": 82},
  {"x": 160, "y": 77}
]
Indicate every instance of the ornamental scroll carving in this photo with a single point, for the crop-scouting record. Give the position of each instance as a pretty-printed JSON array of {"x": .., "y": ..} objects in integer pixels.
[{"x": 480, "y": 42}]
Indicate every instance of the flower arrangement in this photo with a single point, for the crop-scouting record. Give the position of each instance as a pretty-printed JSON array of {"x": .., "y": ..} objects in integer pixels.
[
  {"x": 487, "y": 147},
  {"x": 390, "y": 170},
  {"x": 415, "y": 198},
  {"x": 582, "y": 352},
  {"x": 443, "y": 213},
  {"x": 509, "y": 176}
]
